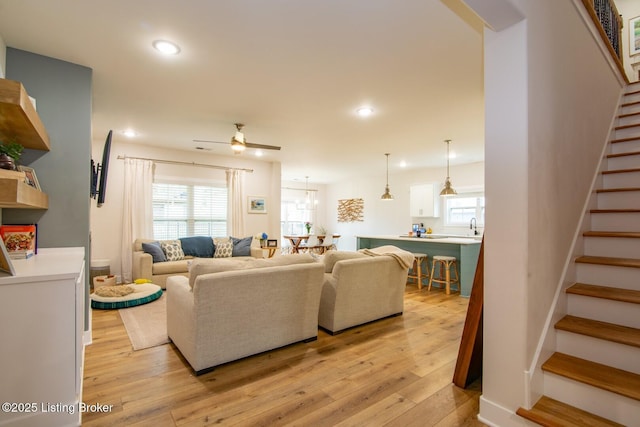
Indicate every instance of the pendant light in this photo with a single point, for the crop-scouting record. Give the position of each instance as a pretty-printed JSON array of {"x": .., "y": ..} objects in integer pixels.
[
  {"x": 387, "y": 195},
  {"x": 448, "y": 189}
]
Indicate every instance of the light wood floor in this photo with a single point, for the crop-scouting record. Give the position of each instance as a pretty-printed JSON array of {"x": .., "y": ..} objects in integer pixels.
[{"x": 395, "y": 372}]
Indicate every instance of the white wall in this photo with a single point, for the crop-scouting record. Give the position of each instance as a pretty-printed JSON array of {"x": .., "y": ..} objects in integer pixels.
[
  {"x": 3, "y": 58},
  {"x": 544, "y": 137},
  {"x": 628, "y": 9},
  {"x": 392, "y": 217},
  {"x": 106, "y": 221}
]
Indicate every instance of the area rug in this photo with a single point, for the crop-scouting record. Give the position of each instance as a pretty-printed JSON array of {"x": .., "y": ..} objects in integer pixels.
[{"x": 146, "y": 324}]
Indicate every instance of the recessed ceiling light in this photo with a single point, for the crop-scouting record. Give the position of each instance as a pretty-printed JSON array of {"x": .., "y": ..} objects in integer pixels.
[
  {"x": 364, "y": 111},
  {"x": 166, "y": 47},
  {"x": 259, "y": 153},
  {"x": 452, "y": 155},
  {"x": 129, "y": 133},
  {"x": 403, "y": 164}
]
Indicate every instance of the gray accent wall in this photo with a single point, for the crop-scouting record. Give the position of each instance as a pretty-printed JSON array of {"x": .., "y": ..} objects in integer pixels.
[{"x": 63, "y": 98}]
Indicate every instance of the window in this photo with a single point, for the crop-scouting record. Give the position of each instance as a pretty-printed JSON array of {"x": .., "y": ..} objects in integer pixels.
[
  {"x": 181, "y": 210},
  {"x": 461, "y": 208}
]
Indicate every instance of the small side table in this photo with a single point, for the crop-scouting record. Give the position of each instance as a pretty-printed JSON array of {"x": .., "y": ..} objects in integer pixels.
[{"x": 272, "y": 250}]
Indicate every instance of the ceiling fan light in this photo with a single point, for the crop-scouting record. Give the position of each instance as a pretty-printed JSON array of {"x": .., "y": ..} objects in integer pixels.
[{"x": 237, "y": 145}]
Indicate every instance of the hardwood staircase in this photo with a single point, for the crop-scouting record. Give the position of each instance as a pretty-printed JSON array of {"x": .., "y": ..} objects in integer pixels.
[{"x": 593, "y": 378}]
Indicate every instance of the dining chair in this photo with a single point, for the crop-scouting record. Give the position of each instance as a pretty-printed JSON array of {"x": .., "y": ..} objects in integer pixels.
[
  {"x": 327, "y": 242},
  {"x": 312, "y": 243}
]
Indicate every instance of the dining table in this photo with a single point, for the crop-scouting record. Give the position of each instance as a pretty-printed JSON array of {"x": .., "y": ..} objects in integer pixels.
[{"x": 297, "y": 239}]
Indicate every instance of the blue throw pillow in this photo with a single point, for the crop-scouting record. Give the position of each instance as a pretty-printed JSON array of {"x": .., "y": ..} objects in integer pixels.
[
  {"x": 242, "y": 247},
  {"x": 198, "y": 246},
  {"x": 155, "y": 251}
]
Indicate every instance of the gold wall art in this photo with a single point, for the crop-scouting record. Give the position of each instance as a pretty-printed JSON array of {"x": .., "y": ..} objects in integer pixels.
[{"x": 350, "y": 210}]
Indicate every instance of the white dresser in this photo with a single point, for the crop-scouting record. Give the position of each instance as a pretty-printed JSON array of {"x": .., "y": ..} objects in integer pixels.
[{"x": 41, "y": 333}]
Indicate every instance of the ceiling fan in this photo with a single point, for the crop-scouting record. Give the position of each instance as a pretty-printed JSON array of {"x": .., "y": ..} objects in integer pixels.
[{"x": 239, "y": 144}]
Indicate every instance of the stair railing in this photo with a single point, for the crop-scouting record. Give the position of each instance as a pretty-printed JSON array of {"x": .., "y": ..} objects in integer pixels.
[{"x": 608, "y": 21}]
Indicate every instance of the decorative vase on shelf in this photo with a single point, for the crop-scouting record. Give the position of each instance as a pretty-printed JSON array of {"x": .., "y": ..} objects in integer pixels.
[{"x": 6, "y": 162}]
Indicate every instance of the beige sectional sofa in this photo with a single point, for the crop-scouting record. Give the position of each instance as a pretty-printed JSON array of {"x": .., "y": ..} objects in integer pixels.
[
  {"x": 233, "y": 308},
  {"x": 360, "y": 288},
  {"x": 144, "y": 266}
]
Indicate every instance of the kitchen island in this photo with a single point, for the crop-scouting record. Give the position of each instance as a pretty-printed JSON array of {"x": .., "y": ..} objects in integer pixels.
[{"x": 465, "y": 249}]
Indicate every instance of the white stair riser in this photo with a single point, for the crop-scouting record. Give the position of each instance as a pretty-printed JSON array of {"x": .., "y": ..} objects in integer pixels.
[
  {"x": 606, "y": 275},
  {"x": 631, "y": 97},
  {"x": 628, "y": 120},
  {"x": 621, "y": 180},
  {"x": 609, "y": 353},
  {"x": 627, "y": 133},
  {"x": 620, "y": 313},
  {"x": 619, "y": 200},
  {"x": 608, "y": 405},
  {"x": 612, "y": 247},
  {"x": 624, "y": 162},
  {"x": 626, "y": 147},
  {"x": 615, "y": 221},
  {"x": 630, "y": 109}
]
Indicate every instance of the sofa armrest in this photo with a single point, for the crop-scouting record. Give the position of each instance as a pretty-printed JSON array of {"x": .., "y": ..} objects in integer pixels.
[
  {"x": 142, "y": 267},
  {"x": 181, "y": 315}
]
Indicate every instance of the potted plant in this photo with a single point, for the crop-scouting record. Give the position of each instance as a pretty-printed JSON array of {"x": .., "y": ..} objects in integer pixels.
[{"x": 10, "y": 152}]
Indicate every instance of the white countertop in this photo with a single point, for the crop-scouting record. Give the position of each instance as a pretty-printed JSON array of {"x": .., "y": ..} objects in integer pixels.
[
  {"x": 429, "y": 238},
  {"x": 47, "y": 264}
]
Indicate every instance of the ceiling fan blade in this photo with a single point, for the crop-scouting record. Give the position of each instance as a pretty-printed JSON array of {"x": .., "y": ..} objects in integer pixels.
[
  {"x": 262, "y": 146},
  {"x": 213, "y": 142}
]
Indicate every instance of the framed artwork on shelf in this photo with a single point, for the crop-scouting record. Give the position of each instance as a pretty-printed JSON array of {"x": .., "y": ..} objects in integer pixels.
[
  {"x": 272, "y": 243},
  {"x": 257, "y": 204},
  {"x": 6, "y": 268},
  {"x": 31, "y": 178},
  {"x": 634, "y": 36}
]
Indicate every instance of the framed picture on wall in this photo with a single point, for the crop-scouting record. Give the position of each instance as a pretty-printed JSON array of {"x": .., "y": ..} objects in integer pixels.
[
  {"x": 634, "y": 36},
  {"x": 257, "y": 204}
]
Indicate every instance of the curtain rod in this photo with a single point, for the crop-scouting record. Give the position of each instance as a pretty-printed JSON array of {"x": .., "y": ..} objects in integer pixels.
[
  {"x": 299, "y": 189},
  {"x": 174, "y": 162}
]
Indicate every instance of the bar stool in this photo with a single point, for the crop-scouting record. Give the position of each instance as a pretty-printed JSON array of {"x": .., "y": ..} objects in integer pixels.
[
  {"x": 446, "y": 263},
  {"x": 416, "y": 270}
]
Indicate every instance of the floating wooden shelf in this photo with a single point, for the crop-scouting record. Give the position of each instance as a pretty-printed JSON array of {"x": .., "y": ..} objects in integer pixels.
[
  {"x": 16, "y": 194},
  {"x": 19, "y": 120}
]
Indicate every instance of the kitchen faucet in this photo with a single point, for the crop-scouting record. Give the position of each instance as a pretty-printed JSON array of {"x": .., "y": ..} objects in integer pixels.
[{"x": 473, "y": 226}]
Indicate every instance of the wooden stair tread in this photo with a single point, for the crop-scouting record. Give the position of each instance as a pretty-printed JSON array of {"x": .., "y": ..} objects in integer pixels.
[
  {"x": 635, "y": 92},
  {"x": 601, "y": 330},
  {"x": 629, "y": 104},
  {"x": 621, "y": 116},
  {"x": 620, "y": 171},
  {"x": 615, "y": 190},
  {"x": 549, "y": 412},
  {"x": 615, "y": 380},
  {"x": 632, "y": 138},
  {"x": 630, "y": 153},
  {"x": 623, "y": 234},
  {"x": 612, "y": 261},
  {"x": 614, "y": 211},
  {"x": 635, "y": 125},
  {"x": 605, "y": 292}
]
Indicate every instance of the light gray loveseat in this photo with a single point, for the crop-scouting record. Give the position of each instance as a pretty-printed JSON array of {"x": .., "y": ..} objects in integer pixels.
[
  {"x": 144, "y": 266},
  {"x": 229, "y": 309},
  {"x": 360, "y": 288}
]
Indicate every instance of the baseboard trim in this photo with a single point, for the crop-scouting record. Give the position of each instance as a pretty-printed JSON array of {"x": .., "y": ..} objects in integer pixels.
[{"x": 495, "y": 415}]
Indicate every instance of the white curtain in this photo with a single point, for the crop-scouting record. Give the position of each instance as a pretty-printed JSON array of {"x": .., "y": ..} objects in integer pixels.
[
  {"x": 137, "y": 212},
  {"x": 235, "y": 195}
]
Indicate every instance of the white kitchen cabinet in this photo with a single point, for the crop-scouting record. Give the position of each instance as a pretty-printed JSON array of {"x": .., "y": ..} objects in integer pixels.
[
  {"x": 424, "y": 200},
  {"x": 41, "y": 330}
]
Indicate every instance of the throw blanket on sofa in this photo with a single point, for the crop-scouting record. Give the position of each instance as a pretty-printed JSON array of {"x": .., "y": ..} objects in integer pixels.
[{"x": 404, "y": 258}]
